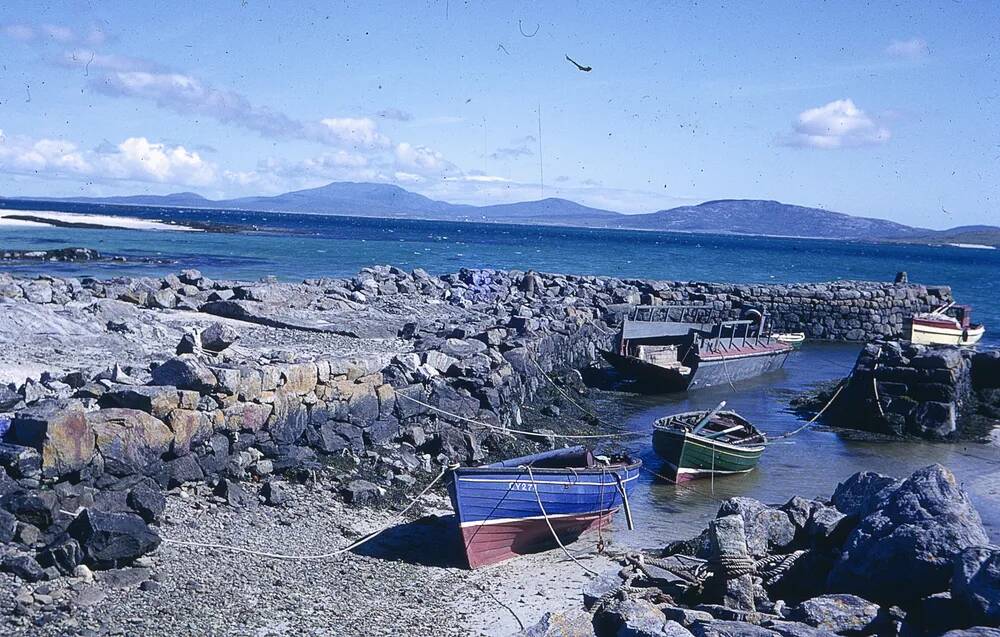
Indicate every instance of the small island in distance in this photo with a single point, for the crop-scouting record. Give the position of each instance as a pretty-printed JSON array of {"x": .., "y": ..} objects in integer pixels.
[{"x": 724, "y": 216}]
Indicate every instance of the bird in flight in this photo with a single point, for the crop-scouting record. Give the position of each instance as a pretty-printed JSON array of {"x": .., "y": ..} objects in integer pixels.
[{"x": 585, "y": 69}]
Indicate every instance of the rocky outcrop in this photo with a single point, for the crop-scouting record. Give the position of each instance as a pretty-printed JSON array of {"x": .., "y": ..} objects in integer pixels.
[
  {"x": 903, "y": 389},
  {"x": 883, "y": 557}
]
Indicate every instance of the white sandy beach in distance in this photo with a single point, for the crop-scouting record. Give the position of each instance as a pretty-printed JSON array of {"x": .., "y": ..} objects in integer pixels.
[{"x": 109, "y": 221}]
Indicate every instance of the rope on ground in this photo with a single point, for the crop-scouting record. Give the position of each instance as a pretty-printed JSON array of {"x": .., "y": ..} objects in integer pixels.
[
  {"x": 538, "y": 498},
  {"x": 321, "y": 556},
  {"x": 509, "y": 431}
]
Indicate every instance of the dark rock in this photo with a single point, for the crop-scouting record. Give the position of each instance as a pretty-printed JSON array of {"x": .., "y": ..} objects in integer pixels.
[
  {"x": 839, "y": 613},
  {"x": 8, "y": 525},
  {"x": 185, "y": 372},
  {"x": 361, "y": 492},
  {"x": 187, "y": 345},
  {"x": 24, "y": 566},
  {"x": 730, "y": 629},
  {"x": 685, "y": 616},
  {"x": 975, "y": 583},
  {"x": 828, "y": 527},
  {"x": 975, "y": 631},
  {"x": 903, "y": 550},
  {"x": 147, "y": 502},
  {"x": 181, "y": 470},
  {"x": 20, "y": 461},
  {"x": 112, "y": 539},
  {"x": 274, "y": 493},
  {"x": 863, "y": 492},
  {"x": 213, "y": 454},
  {"x": 64, "y": 555},
  {"x": 217, "y": 337},
  {"x": 233, "y": 493},
  {"x": 34, "y": 507},
  {"x": 796, "y": 629},
  {"x": 8, "y": 398},
  {"x": 158, "y": 400}
]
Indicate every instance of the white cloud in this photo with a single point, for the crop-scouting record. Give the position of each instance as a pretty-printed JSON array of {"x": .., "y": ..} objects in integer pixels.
[
  {"x": 356, "y": 131},
  {"x": 913, "y": 49},
  {"x": 419, "y": 158},
  {"x": 136, "y": 158},
  {"x": 839, "y": 124}
]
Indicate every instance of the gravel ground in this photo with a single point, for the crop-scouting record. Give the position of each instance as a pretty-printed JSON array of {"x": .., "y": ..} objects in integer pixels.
[{"x": 409, "y": 581}]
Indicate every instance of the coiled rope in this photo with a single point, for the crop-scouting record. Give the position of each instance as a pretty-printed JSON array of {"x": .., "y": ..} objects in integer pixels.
[{"x": 320, "y": 556}]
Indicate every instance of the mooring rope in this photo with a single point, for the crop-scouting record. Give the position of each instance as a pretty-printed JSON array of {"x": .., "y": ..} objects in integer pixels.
[
  {"x": 548, "y": 523},
  {"x": 508, "y": 430},
  {"x": 321, "y": 556}
]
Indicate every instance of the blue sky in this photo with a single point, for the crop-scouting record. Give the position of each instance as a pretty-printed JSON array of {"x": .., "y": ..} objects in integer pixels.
[{"x": 878, "y": 110}]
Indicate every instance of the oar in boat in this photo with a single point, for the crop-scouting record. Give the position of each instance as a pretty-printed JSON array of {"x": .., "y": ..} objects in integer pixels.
[{"x": 708, "y": 417}]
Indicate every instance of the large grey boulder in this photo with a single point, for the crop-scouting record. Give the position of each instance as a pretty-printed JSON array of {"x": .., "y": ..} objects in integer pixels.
[
  {"x": 767, "y": 530},
  {"x": 630, "y": 618},
  {"x": 863, "y": 492},
  {"x": 975, "y": 631},
  {"x": 837, "y": 613},
  {"x": 903, "y": 550},
  {"x": 975, "y": 583},
  {"x": 130, "y": 441},
  {"x": 59, "y": 431},
  {"x": 185, "y": 372},
  {"x": 730, "y": 629}
]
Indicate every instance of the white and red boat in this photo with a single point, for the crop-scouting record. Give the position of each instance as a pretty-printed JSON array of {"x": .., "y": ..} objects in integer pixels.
[{"x": 949, "y": 324}]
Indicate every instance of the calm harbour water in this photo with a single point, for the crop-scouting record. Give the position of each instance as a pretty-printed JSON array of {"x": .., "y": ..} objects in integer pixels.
[{"x": 293, "y": 246}]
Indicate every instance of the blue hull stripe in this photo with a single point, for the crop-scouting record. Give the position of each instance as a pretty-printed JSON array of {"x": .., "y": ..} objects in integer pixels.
[{"x": 481, "y": 496}]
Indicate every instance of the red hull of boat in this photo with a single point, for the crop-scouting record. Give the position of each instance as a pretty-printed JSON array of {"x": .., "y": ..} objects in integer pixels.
[{"x": 491, "y": 543}]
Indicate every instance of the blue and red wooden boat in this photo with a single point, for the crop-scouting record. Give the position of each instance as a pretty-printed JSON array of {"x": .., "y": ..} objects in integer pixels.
[{"x": 504, "y": 509}]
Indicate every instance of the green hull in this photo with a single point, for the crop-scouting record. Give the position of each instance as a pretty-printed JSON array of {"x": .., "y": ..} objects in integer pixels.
[{"x": 688, "y": 456}]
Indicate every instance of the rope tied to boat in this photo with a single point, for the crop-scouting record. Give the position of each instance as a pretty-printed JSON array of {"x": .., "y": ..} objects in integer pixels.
[
  {"x": 320, "y": 556},
  {"x": 509, "y": 431}
]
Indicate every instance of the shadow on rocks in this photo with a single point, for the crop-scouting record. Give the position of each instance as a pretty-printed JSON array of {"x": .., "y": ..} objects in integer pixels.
[{"x": 427, "y": 541}]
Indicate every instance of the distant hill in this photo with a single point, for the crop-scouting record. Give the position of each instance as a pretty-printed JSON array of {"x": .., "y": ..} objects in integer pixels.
[
  {"x": 743, "y": 216},
  {"x": 725, "y": 216}
]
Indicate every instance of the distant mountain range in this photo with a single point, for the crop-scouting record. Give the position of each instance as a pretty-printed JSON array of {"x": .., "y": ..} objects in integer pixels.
[{"x": 726, "y": 216}]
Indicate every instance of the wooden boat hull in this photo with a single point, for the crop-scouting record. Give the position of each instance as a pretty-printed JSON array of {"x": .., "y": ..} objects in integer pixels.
[
  {"x": 706, "y": 372},
  {"x": 928, "y": 333},
  {"x": 499, "y": 514},
  {"x": 688, "y": 457}
]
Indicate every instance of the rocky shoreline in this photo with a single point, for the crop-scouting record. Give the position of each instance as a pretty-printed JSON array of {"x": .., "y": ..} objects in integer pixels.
[
  {"x": 882, "y": 556},
  {"x": 226, "y": 394}
]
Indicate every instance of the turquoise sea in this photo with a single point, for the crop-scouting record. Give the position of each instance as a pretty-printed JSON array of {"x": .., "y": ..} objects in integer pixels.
[{"x": 297, "y": 246}]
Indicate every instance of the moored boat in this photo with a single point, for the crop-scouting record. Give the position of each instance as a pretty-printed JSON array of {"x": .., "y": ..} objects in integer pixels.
[
  {"x": 698, "y": 444},
  {"x": 514, "y": 507},
  {"x": 795, "y": 339},
  {"x": 949, "y": 324},
  {"x": 674, "y": 348}
]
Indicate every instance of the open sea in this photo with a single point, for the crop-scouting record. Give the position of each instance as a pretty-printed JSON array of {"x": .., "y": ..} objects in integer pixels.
[{"x": 297, "y": 246}]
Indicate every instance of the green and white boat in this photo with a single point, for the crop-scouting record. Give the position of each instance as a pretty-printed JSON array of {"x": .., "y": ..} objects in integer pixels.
[{"x": 698, "y": 444}]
